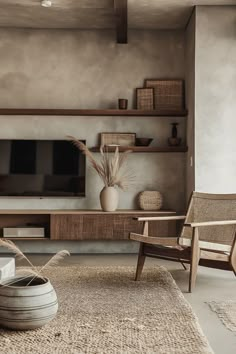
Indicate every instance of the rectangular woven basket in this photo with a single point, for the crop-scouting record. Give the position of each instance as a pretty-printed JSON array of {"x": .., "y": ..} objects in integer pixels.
[{"x": 123, "y": 139}]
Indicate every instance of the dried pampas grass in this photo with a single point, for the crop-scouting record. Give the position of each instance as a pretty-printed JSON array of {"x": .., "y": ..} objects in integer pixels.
[
  {"x": 32, "y": 270},
  {"x": 55, "y": 260},
  {"x": 14, "y": 249},
  {"x": 111, "y": 167}
]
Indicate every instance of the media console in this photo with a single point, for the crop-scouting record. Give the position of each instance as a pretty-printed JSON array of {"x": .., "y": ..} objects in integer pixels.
[{"x": 85, "y": 224}]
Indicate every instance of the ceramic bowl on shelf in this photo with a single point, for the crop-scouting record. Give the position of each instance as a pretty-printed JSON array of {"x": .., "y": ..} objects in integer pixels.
[{"x": 143, "y": 141}]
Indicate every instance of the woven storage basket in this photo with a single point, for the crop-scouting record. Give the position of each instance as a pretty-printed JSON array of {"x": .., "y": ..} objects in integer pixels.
[
  {"x": 150, "y": 200},
  {"x": 123, "y": 139}
]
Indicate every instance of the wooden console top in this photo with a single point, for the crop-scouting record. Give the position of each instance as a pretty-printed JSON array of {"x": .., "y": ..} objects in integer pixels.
[{"x": 81, "y": 211}]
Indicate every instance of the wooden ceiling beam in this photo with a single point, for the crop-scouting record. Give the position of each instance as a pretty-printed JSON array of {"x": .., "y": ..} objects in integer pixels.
[{"x": 121, "y": 12}]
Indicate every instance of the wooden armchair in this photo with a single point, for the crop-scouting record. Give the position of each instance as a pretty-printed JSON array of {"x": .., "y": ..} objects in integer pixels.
[{"x": 207, "y": 238}]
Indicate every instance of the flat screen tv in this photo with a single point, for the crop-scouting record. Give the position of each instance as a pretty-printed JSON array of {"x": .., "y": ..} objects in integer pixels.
[{"x": 41, "y": 168}]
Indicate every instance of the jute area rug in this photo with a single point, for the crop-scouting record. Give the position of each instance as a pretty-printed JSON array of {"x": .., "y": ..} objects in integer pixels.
[
  {"x": 102, "y": 310},
  {"x": 226, "y": 311}
]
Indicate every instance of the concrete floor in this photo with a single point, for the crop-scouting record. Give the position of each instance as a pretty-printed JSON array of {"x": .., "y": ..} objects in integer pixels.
[{"x": 211, "y": 285}]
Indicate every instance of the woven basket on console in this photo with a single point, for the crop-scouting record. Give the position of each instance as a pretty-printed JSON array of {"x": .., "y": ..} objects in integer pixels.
[{"x": 150, "y": 200}]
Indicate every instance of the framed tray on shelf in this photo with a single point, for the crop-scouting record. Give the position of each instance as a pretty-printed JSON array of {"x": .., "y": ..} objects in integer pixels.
[{"x": 145, "y": 98}]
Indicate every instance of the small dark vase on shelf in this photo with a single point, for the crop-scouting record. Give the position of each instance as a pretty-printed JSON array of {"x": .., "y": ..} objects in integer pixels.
[
  {"x": 122, "y": 103},
  {"x": 174, "y": 130},
  {"x": 174, "y": 140}
]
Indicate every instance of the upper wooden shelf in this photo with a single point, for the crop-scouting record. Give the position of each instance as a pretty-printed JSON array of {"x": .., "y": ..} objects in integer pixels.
[{"x": 93, "y": 112}]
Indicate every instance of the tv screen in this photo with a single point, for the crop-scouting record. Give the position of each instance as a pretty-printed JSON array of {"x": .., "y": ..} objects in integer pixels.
[{"x": 44, "y": 168}]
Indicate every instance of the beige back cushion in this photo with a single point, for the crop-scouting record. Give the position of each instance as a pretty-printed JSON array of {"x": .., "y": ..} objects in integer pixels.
[{"x": 212, "y": 207}]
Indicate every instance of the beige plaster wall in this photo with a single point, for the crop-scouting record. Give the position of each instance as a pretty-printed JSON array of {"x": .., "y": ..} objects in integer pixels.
[
  {"x": 215, "y": 117},
  {"x": 87, "y": 69}
]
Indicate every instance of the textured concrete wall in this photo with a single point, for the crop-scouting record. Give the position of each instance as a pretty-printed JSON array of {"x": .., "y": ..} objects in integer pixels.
[
  {"x": 87, "y": 69},
  {"x": 190, "y": 102},
  {"x": 215, "y": 123}
]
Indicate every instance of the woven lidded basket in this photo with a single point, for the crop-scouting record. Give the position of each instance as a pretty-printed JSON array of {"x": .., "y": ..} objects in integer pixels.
[{"x": 150, "y": 200}]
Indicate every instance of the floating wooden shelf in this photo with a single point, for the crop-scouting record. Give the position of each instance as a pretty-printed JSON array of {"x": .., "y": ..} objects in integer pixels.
[
  {"x": 25, "y": 238},
  {"x": 144, "y": 149},
  {"x": 93, "y": 112}
]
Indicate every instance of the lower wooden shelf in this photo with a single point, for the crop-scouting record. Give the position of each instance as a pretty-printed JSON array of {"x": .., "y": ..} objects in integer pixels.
[
  {"x": 143, "y": 149},
  {"x": 25, "y": 238}
]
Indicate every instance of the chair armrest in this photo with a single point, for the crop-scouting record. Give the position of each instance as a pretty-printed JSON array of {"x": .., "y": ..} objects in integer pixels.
[
  {"x": 211, "y": 223},
  {"x": 160, "y": 218},
  {"x": 164, "y": 241}
]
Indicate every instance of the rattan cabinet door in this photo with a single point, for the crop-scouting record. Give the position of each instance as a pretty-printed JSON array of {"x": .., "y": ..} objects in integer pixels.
[
  {"x": 66, "y": 227},
  {"x": 120, "y": 223},
  {"x": 81, "y": 227},
  {"x": 124, "y": 224},
  {"x": 97, "y": 227},
  {"x": 156, "y": 228},
  {"x": 104, "y": 226}
]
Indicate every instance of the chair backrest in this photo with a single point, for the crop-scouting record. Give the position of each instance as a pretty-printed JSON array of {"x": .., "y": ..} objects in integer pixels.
[{"x": 212, "y": 207}]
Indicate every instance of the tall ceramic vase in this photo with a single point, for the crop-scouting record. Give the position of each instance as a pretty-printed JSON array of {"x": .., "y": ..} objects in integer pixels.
[{"x": 109, "y": 199}]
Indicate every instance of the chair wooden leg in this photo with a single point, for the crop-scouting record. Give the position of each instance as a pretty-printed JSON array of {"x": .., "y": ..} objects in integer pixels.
[
  {"x": 141, "y": 256},
  {"x": 233, "y": 264},
  {"x": 233, "y": 256},
  {"x": 140, "y": 264},
  {"x": 195, "y": 252},
  {"x": 184, "y": 266}
]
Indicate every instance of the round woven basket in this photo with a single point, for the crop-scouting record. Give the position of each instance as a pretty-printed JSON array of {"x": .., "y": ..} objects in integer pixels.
[{"x": 150, "y": 200}]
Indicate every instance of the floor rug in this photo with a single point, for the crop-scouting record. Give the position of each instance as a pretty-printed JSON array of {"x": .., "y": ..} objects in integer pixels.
[
  {"x": 226, "y": 311},
  {"x": 104, "y": 311}
]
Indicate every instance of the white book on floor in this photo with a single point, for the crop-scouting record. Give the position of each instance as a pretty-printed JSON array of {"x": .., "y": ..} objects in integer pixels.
[{"x": 23, "y": 232}]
